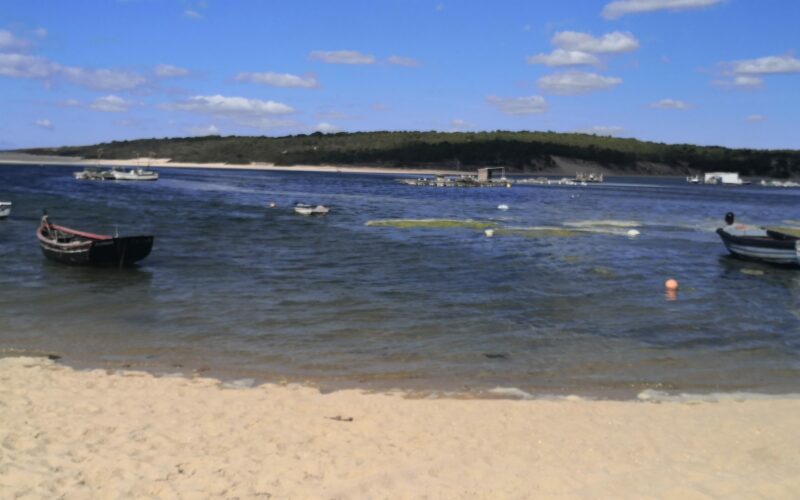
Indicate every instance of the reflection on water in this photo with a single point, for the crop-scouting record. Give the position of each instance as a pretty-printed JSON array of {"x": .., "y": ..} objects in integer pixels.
[{"x": 400, "y": 287}]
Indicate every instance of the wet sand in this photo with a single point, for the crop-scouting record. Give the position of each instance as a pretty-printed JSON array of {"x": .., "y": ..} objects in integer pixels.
[{"x": 81, "y": 434}]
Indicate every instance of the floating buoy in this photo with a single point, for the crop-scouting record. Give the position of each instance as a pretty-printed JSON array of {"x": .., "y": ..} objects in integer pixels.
[
  {"x": 489, "y": 233},
  {"x": 632, "y": 233},
  {"x": 502, "y": 207},
  {"x": 671, "y": 284}
]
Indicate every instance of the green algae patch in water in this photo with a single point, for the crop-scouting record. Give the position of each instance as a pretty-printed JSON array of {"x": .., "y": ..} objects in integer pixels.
[
  {"x": 604, "y": 223},
  {"x": 431, "y": 224},
  {"x": 603, "y": 271},
  {"x": 539, "y": 232}
]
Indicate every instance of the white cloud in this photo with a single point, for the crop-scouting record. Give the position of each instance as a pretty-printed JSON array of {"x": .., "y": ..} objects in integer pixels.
[
  {"x": 576, "y": 82},
  {"x": 756, "y": 118},
  {"x": 403, "y": 61},
  {"x": 518, "y": 106},
  {"x": 170, "y": 71},
  {"x": 620, "y": 8},
  {"x": 670, "y": 104},
  {"x": 70, "y": 103},
  {"x": 769, "y": 65},
  {"x": 279, "y": 80},
  {"x": 326, "y": 128},
  {"x": 238, "y": 108},
  {"x": 749, "y": 73},
  {"x": 741, "y": 81},
  {"x": 102, "y": 79},
  {"x": 342, "y": 57},
  {"x": 561, "y": 57},
  {"x": 45, "y": 124},
  {"x": 440, "y": 7},
  {"x": 203, "y": 131},
  {"x": 607, "y": 44},
  {"x": 192, "y": 14},
  {"x": 40, "y": 32},
  {"x": 9, "y": 42},
  {"x": 110, "y": 104},
  {"x": 25, "y": 66}
]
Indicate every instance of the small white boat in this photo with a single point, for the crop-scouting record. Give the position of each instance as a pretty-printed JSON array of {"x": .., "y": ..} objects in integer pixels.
[
  {"x": 89, "y": 173},
  {"x": 5, "y": 209},
  {"x": 134, "y": 174},
  {"x": 303, "y": 209}
]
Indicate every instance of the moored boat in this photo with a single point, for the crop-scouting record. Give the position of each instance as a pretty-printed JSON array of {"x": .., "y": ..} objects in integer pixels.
[
  {"x": 5, "y": 209},
  {"x": 303, "y": 209},
  {"x": 89, "y": 173},
  {"x": 70, "y": 246},
  {"x": 134, "y": 174},
  {"x": 771, "y": 245}
]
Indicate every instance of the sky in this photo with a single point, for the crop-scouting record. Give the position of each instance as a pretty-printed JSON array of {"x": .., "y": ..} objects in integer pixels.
[{"x": 707, "y": 72}]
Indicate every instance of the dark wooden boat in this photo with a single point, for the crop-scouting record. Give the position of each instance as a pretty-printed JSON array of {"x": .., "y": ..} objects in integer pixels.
[{"x": 69, "y": 246}]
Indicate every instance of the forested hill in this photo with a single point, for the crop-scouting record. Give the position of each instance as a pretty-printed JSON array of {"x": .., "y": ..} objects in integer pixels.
[{"x": 517, "y": 151}]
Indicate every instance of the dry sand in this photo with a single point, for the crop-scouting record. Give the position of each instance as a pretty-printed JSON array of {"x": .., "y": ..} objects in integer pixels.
[
  {"x": 22, "y": 158},
  {"x": 91, "y": 434}
]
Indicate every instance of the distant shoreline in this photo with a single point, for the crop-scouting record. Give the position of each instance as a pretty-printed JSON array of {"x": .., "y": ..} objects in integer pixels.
[
  {"x": 66, "y": 161},
  {"x": 566, "y": 168}
]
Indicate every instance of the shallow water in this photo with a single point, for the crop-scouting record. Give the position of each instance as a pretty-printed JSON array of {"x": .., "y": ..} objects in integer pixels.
[{"x": 560, "y": 300}]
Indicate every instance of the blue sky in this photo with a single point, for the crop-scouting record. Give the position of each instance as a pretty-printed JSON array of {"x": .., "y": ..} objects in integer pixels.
[{"x": 711, "y": 72}]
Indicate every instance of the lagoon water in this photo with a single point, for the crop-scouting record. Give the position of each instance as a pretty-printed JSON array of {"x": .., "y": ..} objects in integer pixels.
[{"x": 384, "y": 293}]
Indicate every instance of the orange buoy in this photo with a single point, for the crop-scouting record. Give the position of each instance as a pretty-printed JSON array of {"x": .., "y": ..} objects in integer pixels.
[{"x": 671, "y": 284}]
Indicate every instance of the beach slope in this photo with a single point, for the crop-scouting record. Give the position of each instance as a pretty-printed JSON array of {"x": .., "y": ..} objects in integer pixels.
[{"x": 93, "y": 434}]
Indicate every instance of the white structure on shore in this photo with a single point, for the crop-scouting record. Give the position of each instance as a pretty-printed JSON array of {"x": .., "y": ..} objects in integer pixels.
[{"x": 723, "y": 178}]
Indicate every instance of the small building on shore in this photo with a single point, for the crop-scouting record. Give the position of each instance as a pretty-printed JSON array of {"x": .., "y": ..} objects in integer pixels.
[
  {"x": 491, "y": 174},
  {"x": 722, "y": 178}
]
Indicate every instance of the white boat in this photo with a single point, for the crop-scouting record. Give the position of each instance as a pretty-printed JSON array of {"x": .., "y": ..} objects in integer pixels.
[
  {"x": 134, "y": 174},
  {"x": 5, "y": 209},
  {"x": 773, "y": 245},
  {"x": 90, "y": 173},
  {"x": 693, "y": 179},
  {"x": 303, "y": 209}
]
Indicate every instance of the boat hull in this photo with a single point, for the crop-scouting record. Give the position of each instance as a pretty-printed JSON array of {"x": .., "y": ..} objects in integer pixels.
[
  {"x": 781, "y": 251},
  {"x": 120, "y": 252}
]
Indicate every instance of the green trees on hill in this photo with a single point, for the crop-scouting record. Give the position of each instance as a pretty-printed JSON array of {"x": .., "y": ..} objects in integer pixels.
[{"x": 518, "y": 151}]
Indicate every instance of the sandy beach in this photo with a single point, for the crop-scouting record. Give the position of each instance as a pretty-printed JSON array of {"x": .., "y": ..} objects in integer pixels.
[
  {"x": 82, "y": 434},
  {"x": 22, "y": 159}
]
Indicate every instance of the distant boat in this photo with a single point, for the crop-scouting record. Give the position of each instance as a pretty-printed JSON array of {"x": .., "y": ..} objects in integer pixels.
[
  {"x": 303, "y": 209},
  {"x": 771, "y": 245},
  {"x": 116, "y": 174},
  {"x": 69, "y": 246},
  {"x": 90, "y": 173},
  {"x": 693, "y": 179},
  {"x": 5, "y": 209},
  {"x": 134, "y": 174}
]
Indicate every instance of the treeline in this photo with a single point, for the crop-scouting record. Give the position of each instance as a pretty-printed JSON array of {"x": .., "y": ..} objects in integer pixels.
[{"x": 517, "y": 151}]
